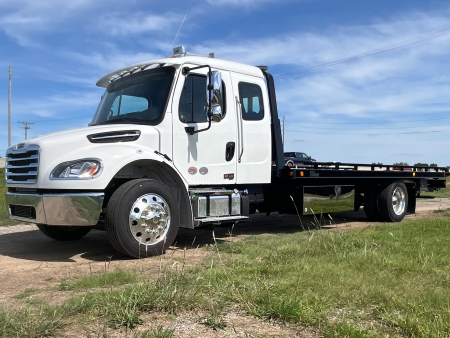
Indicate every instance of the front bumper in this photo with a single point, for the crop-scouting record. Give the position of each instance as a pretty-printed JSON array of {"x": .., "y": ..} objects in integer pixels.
[{"x": 56, "y": 209}]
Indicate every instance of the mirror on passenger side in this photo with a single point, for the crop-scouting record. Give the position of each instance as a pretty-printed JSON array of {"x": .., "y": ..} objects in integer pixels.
[{"x": 215, "y": 94}]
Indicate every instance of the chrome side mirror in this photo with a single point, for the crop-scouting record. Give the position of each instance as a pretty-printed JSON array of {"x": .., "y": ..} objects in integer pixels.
[{"x": 214, "y": 94}]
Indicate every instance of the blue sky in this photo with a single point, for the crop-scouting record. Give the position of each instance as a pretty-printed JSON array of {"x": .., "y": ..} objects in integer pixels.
[{"x": 350, "y": 112}]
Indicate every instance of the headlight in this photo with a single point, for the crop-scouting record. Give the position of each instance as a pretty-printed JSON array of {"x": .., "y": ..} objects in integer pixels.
[{"x": 78, "y": 169}]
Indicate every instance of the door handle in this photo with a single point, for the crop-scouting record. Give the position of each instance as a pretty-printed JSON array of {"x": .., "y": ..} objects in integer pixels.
[{"x": 229, "y": 151}]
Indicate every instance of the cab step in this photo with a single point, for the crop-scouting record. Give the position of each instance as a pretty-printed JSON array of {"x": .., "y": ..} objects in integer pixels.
[{"x": 209, "y": 220}]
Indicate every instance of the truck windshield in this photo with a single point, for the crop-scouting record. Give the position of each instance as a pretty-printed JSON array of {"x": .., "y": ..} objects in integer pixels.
[{"x": 138, "y": 98}]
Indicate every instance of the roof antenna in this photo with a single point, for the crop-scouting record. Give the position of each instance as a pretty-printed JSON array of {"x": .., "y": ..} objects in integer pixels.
[{"x": 177, "y": 34}]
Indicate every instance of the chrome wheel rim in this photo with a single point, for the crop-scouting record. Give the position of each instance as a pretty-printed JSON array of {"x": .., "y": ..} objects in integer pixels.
[
  {"x": 149, "y": 219},
  {"x": 399, "y": 201}
]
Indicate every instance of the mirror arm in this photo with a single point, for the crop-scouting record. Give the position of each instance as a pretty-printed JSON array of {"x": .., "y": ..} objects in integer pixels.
[{"x": 186, "y": 71}]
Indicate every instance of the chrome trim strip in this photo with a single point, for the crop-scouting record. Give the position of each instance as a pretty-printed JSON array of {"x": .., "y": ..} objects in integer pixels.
[
  {"x": 114, "y": 136},
  {"x": 60, "y": 209},
  {"x": 221, "y": 219},
  {"x": 32, "y": 157},
  {"x": 30, "y": 173},
  {"x": 33, "y": 180},
  {"x": 31, "y": 165}
]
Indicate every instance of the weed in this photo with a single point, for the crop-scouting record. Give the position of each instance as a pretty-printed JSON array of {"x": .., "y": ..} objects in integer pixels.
[
  {"x": 26, "y": 293},
  {"x": 158, "y": 332},
  {"x": 214, "y": 322}
]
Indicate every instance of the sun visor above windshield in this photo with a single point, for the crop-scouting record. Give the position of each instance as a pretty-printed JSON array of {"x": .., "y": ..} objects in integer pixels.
[{"x": 138, "y": 67}]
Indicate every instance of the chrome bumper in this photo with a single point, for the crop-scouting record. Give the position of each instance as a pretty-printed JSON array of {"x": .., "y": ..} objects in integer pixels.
[{"x": 56, "y": 209}]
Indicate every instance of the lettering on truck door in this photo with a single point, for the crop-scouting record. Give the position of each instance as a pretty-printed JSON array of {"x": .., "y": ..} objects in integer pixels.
[{"x": 202, "y": 157}]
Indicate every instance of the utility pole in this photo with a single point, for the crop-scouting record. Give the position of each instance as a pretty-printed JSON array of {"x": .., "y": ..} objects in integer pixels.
[
  {"x": 26, "y": 124},
  {"x": 283, "y": 129},
  {"x": 9, "y": 108}
]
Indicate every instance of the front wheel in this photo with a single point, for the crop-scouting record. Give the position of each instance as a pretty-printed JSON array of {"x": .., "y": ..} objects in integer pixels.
[
  {"x": 142, "y": 218},
  {"x": 64, "y": 233},
  {"x": 393, "y": 202}
]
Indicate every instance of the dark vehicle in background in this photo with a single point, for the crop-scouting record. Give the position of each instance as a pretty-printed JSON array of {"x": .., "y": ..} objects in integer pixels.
[{"x": 293, "y": 158}]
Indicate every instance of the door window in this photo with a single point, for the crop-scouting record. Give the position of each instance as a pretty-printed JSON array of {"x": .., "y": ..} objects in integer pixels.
[
  {"x": 251, "y": 101},
  {"x": 193, "y": 103}
]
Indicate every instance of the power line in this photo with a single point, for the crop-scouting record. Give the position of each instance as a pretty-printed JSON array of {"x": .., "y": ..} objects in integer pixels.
[
  {"x": 26, "y": 127},
  {"x": 368, "y": 134},
  {"x": 373, "y": 122},
  {"x": 64, "y": 84},
  {"x": 420, "y": 39},
  {"x": 70, "y": 118},
  {"x": 381, "y": 117},
  {"x": 410, "y": 127}
]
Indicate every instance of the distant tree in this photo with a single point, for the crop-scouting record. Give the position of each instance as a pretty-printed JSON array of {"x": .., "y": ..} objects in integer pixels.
[
  {"x": 433, "y": 165},
  {"x": 421, "y": 164},
  {"x": 378, "y": 163},
  {"x": 401, "y": 163}
]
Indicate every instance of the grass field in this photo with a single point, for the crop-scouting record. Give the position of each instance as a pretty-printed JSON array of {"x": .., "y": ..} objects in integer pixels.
[
  {"x": 441, "y": 193},
  {"x": 382, "y": 281},
  {"x": 4, "y": 219}
]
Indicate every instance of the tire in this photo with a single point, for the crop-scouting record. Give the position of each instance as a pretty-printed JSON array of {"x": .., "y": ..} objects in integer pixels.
[
  {"x": 290, "y": 164},
  {"x": 130, "y": 233},
  {"x": 64, "y": 233},
  {"x": 371, "y": 204},
  {"x": 393, "y": 202}
]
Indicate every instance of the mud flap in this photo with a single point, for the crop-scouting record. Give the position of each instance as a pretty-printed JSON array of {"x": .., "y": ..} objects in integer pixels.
[{"x": 411, "y": 201}]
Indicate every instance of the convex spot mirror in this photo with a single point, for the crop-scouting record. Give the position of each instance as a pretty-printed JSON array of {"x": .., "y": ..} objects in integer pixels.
[{"x": 214, "y": 94}]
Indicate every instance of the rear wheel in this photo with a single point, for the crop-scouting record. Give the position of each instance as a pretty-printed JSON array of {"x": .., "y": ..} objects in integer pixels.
[
  {"x": 64, "y": 233},
  {"x": 290, "y": 164},
  {"x": 393, "y": 202},
  {"x": 142, "y": 218}
]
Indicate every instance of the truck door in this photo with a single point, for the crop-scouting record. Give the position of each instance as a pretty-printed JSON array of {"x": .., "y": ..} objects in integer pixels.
[
  {"x": 208, "y": 157},
  {"x": 254, "y": 135}
]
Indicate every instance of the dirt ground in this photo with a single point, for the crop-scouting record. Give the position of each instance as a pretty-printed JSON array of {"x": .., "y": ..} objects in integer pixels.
[{"x": 28, "y": 259}]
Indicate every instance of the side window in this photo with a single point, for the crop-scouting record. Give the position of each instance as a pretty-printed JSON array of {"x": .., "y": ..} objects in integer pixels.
[
  {"x": 305, "y": 156},
  {"x": 115, "y": 106},
  {"x": 251, "y": 101},
  {"x": 193, "y": 103}
]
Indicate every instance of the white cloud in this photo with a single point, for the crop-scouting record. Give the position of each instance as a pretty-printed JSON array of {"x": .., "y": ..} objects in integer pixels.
[
  {"x": 20, "y": 19},
  {"x": 113, "y": 60},
  {"x": 240, "y": 3},
  {"x": 138, "y": 22}
]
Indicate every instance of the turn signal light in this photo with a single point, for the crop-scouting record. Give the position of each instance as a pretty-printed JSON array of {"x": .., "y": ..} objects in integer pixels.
[
  {"x": 302, "y": 173},
  {"x": 414, "y": 174},
  {"x": 291, "y": 173}
]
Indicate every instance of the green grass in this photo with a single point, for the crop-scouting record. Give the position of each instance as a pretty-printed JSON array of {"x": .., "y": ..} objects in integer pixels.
[
  {"x": 26, "y": 293},
  {"x": 443, "y": 193},
  {"x": 109, "y": 279},
  {"x": 4, "y": 219},
  {"x": 384, "y": 281}
]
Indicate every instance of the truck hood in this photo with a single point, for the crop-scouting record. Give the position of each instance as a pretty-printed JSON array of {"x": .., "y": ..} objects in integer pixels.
[
  {"x": 83, "y": 132},
  {"x": 73, "y": 144}
]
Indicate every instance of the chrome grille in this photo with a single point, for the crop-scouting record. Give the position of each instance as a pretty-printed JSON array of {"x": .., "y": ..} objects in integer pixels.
[{"x": 22, "y": 165}]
